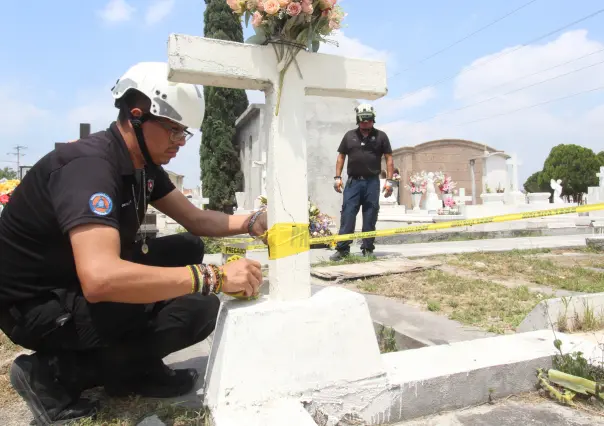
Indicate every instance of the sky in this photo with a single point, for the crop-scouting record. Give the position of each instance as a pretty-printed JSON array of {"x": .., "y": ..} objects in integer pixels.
[{"x": 60, "y": 60}]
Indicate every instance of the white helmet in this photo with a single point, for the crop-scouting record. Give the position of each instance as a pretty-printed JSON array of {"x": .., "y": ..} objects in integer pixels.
[
  {"x": 365, "y": 112},
  {"x": 180, "y": 102}
]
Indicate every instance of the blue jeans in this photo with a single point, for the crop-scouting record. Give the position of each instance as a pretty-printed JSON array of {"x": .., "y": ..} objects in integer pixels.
[{"x": 360, "y": 193}]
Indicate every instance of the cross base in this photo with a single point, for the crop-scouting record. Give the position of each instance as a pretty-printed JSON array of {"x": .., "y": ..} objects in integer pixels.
[{"x": 320, "y": 348}]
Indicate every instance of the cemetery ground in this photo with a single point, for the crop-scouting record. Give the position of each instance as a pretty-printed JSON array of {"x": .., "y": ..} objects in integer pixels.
[
  {"x": 490, "y": 292},
  {"x": 495, "y": 291}
]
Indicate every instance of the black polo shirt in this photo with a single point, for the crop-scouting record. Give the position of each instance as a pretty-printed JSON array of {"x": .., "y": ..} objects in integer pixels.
[
  {"x": 83, "y": 182},
  {"x": 365, "y": 153}
]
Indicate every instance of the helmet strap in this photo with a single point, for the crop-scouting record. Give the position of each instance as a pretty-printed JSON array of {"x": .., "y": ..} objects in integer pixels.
[{"x": 137, "y": 125}]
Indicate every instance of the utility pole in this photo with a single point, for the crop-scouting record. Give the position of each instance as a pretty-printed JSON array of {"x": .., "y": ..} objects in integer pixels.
[{"x": 17, "y": 152}]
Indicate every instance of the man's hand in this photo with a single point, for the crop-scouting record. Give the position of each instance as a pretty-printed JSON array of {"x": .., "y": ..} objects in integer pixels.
[
  {"x": 243, "y": 275},
  {"x": 260, "y": 226},
  {"x": 388, "y": 188},
  {"x": 337, "y": 185}
]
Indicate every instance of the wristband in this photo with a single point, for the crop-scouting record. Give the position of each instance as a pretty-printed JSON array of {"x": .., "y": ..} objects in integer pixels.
[
  {"x": 190, "y": 268},
  {"x": 338, "y": 177},
  {"x": 250, "y": 225}
]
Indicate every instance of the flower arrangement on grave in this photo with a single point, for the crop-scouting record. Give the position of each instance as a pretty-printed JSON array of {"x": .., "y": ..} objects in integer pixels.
[
  {"x": 6, "y": 191},
  {"x": 417, "y": 183},
  {"x": 318, "y": 222},
  {"x": 445, "y": 183},
  {"x": 396, "y": 176},
  {"x": 499, "y": 189},
  {"x": 290, "y": 26},
  {"x": 450, "y": 207}
]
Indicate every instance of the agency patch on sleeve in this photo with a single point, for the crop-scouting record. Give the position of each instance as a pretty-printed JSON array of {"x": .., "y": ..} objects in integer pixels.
[{"x": 100, "y": 204}]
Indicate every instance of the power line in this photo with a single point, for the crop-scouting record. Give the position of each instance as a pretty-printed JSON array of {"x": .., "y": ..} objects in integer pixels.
[
  {"x": 505, "y": 53},
  {"x": 531, "y": 75},
  {"x": 17, "y": 152},
  {"x": 501, "y": 18},
  {"x": 533, "y": 106},
  {"x": 507, "y": 93}
]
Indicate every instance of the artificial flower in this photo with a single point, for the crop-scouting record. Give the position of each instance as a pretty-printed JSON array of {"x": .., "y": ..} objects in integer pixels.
[
  {"x": 271, "y": 7},
  {"x": 294, "y": 9}
]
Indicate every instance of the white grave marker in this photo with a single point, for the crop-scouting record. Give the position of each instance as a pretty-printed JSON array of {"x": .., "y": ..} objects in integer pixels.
[
  {"x": 601, "y": 176},
  {"x": 298, "y": 345},
  {"x": 462, "y": 198},
  {"x": 245, "y": 66}
]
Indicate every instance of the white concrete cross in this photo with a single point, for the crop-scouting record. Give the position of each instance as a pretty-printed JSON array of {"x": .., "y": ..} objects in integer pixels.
[
  {"x": 262, "y": 165},
  {"x": 514, "y": 163},
  {"x": 461, "y": 198},
  {"x": 601, "y": 176},
  {"x": 245, "y": 66}
]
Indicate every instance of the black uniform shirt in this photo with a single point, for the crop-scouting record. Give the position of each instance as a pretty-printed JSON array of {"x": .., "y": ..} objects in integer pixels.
[
  {"x": 88, "y": 181},
  {"x": 365, "y": 153}
]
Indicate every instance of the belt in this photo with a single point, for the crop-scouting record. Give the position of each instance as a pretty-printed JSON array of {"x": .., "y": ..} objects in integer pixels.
[{"x": 361, "y": 177}]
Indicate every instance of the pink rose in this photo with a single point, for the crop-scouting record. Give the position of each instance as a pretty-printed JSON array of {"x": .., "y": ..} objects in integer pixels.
[
  {"x": 257, "y": 19},
  {"x": 294, "y": 9},
  {"x": 284, "y": 3},
  {"x": 307, "y": 7},
  {"x": 235, "y": 5},
  {"x": 327, "y": 4},
  {"x": 271, "y": 6}
]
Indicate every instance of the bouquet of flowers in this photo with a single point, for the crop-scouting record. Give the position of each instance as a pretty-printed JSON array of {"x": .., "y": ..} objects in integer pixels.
[
  {"x": 319, "y": 223},
  {"x": 417, "y": 183},
  {"x": 290, "y": 26},
  {"x": 6, "y": 190},
  {"x": 445, "y": 184}
]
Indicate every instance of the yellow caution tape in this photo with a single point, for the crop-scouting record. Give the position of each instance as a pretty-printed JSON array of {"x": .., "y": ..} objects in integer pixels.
[
  {"x": 287, "y": 239},
  {"x": 240, "y": 295},
  {"x": 459, "y": 223},
  {"x": 234, "y": 250}
]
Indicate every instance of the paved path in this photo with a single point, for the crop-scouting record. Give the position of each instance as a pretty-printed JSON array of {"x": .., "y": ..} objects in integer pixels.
[
  {"x": 437, "y": 248},
  {"x": 511, "y": 413}
]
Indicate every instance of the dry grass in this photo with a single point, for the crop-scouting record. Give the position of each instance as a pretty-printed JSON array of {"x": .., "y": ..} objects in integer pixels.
[
  {"x": 131, "y": 411},
  {"x": 532, "y": 266},
  {"x": 7, "y": 352},
  {"x": 474, "y": 302}
]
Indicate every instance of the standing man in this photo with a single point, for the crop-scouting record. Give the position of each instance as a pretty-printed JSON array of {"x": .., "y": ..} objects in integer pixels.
[
  {"x": 98, "y": 306},
  {"x": 364, "y": 147}
]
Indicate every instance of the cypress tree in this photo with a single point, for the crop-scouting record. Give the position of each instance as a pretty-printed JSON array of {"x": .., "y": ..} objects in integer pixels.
[{"x": 219, "y": 152}]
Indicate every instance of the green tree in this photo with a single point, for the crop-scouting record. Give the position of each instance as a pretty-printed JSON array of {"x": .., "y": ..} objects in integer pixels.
[
  {"x": 8, "y": 173},
  {"x": 532, "y": 184},
  {"x": 219, "y": 152},
  {"x": 575, "y": 165},
  {"x": 601, "y": 157}
]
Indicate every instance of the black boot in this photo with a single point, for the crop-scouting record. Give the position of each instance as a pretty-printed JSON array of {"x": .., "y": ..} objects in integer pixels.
[
  {"x": 32, "y": 376},
  {"x": 155, "y": 380}
]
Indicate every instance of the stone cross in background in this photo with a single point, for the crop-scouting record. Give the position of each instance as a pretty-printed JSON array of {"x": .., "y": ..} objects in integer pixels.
[
  {"x": 513, "y": 164},
  {"x": 84, "y": 131},
  {"x": 221, "y": 63}
]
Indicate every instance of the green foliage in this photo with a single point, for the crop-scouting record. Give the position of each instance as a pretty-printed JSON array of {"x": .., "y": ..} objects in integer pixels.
[
  {"x": 8, "y": 173},
  {"x": 575, "y": 165},
  {"x": 601, "y": 158},
  {"x": 532, "y": 184},
  {"x": 575, "y": 364},
  {"x": 219, "y": 152}
]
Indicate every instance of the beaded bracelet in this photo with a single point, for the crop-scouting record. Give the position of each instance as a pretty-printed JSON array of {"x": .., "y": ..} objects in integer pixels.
[
  {"x": 250, "y": 225},
  {"x": 195, "y": 281}
]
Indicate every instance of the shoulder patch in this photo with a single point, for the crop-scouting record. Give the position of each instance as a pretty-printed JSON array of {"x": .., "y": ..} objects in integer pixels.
[{"x": 100, "y": 204}]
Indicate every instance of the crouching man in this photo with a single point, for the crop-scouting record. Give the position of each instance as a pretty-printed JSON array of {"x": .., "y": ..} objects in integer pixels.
[{"x": 99, "y": 306}]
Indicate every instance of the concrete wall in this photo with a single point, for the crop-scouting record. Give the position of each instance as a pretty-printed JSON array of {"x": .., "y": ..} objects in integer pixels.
[
  {"x": 251, "y": 145},
  {"x": 451, "y": 156},
  {"x": 327, "y": 120}
]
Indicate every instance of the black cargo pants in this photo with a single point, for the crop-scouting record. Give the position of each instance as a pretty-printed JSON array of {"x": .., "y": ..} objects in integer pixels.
[{"x": 115, "y": 338}]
